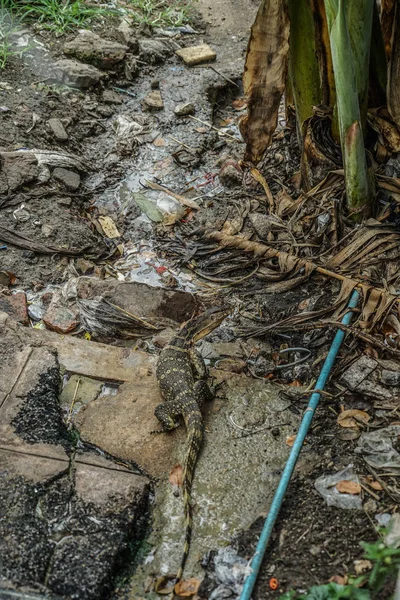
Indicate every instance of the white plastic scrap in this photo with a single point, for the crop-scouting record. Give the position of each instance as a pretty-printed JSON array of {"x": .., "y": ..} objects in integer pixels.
[
  {"x": 326, "y": 486},
  {"x": 230, "y": 572},
  {"x": 376, "y": 447}
]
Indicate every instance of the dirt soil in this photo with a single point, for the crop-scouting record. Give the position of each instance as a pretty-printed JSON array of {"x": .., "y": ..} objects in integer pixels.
[{"x": 83, "y": 231}]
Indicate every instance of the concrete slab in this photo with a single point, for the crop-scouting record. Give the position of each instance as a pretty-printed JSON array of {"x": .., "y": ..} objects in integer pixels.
[{"x": 123, "y": 424}]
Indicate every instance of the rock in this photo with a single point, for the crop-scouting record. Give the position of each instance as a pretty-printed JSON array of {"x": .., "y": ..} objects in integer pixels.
[
  {"x": 141, "y": 299},
  {"x": 64, "y": 201},
  {"x": 59, "y": 317},
  {"x": 131, "y": 67},
  {"x": 5, "y": 279},
  {"x": 17, "y": 170},
  {"x": 390, "y": 377},
  {"x": 72, "y": 72},
  {"x": 233, "y": 349},
  {"x": 48, "y": 230},
  {"x": 58, "y": 130},
  {"x": 195, "y": 55},
  {"x": 230, "y": 174},
  {"x": 263, "y": 224},
  {"x": 164, "y": 337},
  {"x": 70, "y": 179},
  {"x": 263, "y": 366},
  {"x": 233, "y": 365},
  {"x": 153, "y": 52},
  {"x": 111, "y": 97},
  {"x": 90, "y": 47},
  {"x": 184, "y": 109},
  {"x": 15, "y": 306},
  {"x": 127, "y": 35},
  {"x": 84, "y": 266},
  {"x": 153, "y": 101}
]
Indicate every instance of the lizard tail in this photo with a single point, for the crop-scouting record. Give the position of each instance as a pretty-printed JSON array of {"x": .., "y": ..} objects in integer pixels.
[{"x": 195, "y": 437}]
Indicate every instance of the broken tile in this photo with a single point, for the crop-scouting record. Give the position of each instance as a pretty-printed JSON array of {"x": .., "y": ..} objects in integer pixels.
[
  {"x": 59, "y": 317},
  {"x": 15, "y": 305}
]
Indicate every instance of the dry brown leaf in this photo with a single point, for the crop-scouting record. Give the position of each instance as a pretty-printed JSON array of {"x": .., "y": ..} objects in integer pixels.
[
  {"x": 290, "y": 440},
  {"x": 239, "y": 103},
  {"x": 348, "y": 487},
  {"x": 176, "y": 475},
  {"x": 187, "y": 587},
  {"x": 362, "y": 566},
  {"x": 352, "y": 418},
  {"x": 164, "y": 584},
  {"x": 375, "y": 485},
  {"x": 109, "y": 227},
  {"x": 265, "y": 76},
  {"x": 339, "y": 579}
]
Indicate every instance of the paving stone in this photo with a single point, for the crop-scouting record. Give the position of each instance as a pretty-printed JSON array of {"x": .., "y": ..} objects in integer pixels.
[
  {"x": 195, "y": 55},
  {"x": 153, "y": 101},
  {"x": 72, "y": 72},
  {"x": 59, "y": 317},
  {"x": 70, "y": 179},
  {"x": 390, "y": 377},
  {"x": 15, "y": 305},
  {"x": 122, "y": 425},
  {"x": 58, "y": 130},
  {"x": 90, "y": 47}
]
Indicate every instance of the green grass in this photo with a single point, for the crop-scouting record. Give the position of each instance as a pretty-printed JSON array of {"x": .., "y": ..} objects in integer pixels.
[
  {"x": 57, "y": 15},
  {"x": 9, "y": 27},
  {"x": 160, "y": 13},
  {"x": 385, "y": 566}
]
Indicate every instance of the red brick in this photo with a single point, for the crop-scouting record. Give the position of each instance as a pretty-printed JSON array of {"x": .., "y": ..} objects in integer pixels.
[{"x": 15, "y": 306}]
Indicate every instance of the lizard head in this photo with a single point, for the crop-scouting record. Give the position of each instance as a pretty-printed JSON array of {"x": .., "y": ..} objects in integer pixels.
[{"x": 207, "y": 322}]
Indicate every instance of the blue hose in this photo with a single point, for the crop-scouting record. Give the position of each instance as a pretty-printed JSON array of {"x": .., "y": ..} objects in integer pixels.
[{"x": 294, "y": 455}]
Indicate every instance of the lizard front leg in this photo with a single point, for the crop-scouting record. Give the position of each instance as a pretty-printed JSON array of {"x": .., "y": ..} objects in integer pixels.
[{"x": 202, "y": 392}]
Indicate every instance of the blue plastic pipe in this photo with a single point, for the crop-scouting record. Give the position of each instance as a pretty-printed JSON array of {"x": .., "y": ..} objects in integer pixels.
[{"x": 294, "y": 454}]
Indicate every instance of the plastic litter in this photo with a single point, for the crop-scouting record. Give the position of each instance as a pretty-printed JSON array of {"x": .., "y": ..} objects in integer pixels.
[
  {"x": 230, "y": 571},
  {"x": 376, "y": 447},
  {"x": 326, "y": 486},
  {"x": 392, "y": 538}
]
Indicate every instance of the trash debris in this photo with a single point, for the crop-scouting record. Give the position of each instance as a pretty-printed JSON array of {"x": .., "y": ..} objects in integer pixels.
[
  {"x": 15, "y": 305},
  {"x": 327, "y": 487},
  {"x": 109, "y": 227},
  {"x": 230, "y": 571},
  {"x": 59, "y": 317},
  {"x": 376, "y": 447},
  {"x": 392, "y": 538}
]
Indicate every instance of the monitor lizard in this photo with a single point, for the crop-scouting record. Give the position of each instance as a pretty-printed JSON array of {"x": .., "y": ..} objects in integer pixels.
[{"x": 181, "y": 375}]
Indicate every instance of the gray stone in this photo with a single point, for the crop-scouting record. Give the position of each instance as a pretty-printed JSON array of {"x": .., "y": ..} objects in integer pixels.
[
  {"x": 70, "y": 179},
  {"x": 263, "y": 224},
  {"x": 153, "y": 52},
  {"x": 111, "y": 97},
  {"x": 184, "y": 109},
  {"x": 90, "y": 47},
  {"x": 153, "y": 101},
  {"x": 64, "y": 202},
  {"x": 58, "y": 130},
  {"x": 359, "y": 371},
  {"x": 141, "y": 299},
  {"x": 72, "y": 72},
  {"x": 127, "y": 35},
  {"x": 390, "y": 377}
]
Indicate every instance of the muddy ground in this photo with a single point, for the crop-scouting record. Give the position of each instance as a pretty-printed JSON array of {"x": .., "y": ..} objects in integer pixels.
[{"x": 88, "y": 498}]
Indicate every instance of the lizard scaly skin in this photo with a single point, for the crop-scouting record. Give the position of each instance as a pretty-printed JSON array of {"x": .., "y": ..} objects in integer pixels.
[{"x": 181, "y": 374}]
